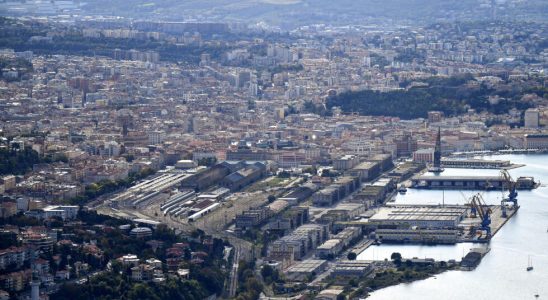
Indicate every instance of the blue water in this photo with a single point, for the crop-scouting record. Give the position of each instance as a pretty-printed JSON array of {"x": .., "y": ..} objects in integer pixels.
[{"x": 501, "y": 274}]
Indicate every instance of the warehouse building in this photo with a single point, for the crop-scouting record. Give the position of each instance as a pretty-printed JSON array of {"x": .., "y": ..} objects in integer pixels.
[
  {"x": 290, "y": 219},
  {"x": 421, "y": 217},
  {"x": 297, "y": 244},
  {"x": 252, "y": 217},
  {"x": 346, "y": 162},
  {"x": 305, "y": 269},
  {"x": 352, "y": 268},
  {"x": 428, "y": 236},
  {"x": 329, "y": 249},
  {"x": 366, "y": 171},
  {"x": 375, "y": 193},
  {"x": 336, "y": 245},
  {"x": 336, "y": 191}
]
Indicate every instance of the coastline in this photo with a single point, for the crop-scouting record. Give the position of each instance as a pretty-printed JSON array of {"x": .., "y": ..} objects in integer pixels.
[{"x": 398, "y": 275}]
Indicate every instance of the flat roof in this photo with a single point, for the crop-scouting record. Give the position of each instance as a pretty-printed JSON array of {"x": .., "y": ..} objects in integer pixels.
[
  {"x": 464, "y": 178},
  {"x": 329, "y": 244},
  {"x": 306, "y": 266},
  {"x": 364, "y": 165},
  {"x": 355, "y": 265},
  {"x": 418, "y": 214},
  {"x": 146, "y": 221}
]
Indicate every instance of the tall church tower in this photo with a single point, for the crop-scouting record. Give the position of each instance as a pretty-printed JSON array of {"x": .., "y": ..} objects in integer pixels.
[{"x": 436, "y": 168}]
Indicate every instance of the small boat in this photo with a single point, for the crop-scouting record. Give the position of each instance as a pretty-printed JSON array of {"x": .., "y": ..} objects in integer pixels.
[{"x": 530, "y": 264}]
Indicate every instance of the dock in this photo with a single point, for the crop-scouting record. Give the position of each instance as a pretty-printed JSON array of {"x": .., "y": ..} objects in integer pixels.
[
  {"x": 497, "y": 221},
  {"x": 468, "y": 182},
  {"x": 476, "y": 163},
  {"x": 362, "y": 246}
]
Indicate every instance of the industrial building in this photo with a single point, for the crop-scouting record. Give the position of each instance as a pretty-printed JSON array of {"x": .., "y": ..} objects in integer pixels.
[
  {"x": 211, "y": 176},
  {"x": 241, "y": 178},
  {"x": 352, "y": 268},
  {"x": 329, "y": 249},
  {"x": 421, "y": 217},
  {"x": 252, "y": 218},
  {"x": 336, "y": 191},
  {"x": 346, "y": 162},
  {"x": 372, "y": 194},
  {"x": 384, "y": 160},
  {"x": 335, "y": 245},
  {"x": 326, "y": 196},
  {"x": 348, "y": 235},
  {"x": 458, "y": 182},
  {"x": 291, "y": 219},
  {"x": 300, "y": 193},
  {"x": 366, "y": 171},
  {"x": 475, "y": 163},
  {"x": 306, "y": 268},
  {"x": 298, "y": 243},
  {"x": 341, "y": 212},
  {"x": 415, "y": 235}
]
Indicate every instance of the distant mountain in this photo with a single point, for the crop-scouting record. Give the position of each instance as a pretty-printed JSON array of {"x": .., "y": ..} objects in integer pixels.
[
  {"x": 290, "y": 13},
  {"x": 297, "y": 12}
]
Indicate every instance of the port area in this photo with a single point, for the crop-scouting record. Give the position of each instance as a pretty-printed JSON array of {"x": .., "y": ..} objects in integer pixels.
[
  {"x": 470, "y": 163},
  {"x": 434, "y": 224},
  {"x": 426, "y": 181},
  {"x": 479, "y": 236}
]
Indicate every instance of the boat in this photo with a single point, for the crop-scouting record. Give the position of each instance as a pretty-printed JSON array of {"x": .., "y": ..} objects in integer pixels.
[{"x": 530, "y": 264}]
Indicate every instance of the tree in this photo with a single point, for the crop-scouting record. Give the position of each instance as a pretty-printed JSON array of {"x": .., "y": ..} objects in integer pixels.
[
  {"x": 284, "y": 174},
  {"x": 207, "y": 161},
  {"x": 351, "y": 256},
  {"x": 269, "y": 274},
  {"x": 142, "y": 292},
  {"x": 271, "y": 198},
  {"x": 396, "y": 257},
  {"x": 408, "y": 263},
  {"x": 311, "y": 170}
]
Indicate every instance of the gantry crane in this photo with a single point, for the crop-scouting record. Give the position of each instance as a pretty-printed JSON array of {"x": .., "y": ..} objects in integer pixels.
[
  {"x": 478, "y": 208},
  {"x": 510, "y": 184}
]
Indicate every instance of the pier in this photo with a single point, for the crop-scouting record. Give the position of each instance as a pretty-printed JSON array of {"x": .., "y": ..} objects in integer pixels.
[
  {"x": 469, "y": 182},
  {"x": 477, "y": 164}
]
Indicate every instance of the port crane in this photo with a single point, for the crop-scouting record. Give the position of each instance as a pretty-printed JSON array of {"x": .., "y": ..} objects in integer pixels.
[
  {"x": 512, "y": 197},
  {"x": 479, "y": 208}
]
